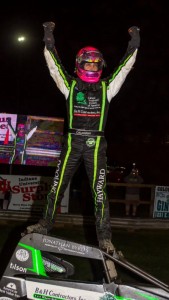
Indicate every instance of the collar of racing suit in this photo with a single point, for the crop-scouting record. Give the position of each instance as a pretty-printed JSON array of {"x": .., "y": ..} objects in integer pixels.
[{"x": 85, "y": 86}]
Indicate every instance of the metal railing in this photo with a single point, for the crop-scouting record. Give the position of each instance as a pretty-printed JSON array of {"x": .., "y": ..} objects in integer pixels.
[{"x": 149, "y": 202}]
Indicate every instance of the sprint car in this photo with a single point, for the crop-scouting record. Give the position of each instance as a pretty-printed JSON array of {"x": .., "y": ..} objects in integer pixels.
[{"x": 50, "y": 268}]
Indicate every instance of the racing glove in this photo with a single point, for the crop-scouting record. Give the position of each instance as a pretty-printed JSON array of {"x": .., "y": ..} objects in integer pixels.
[
  {"x": 134, "y": 43},
  {"x": 48, "y": 35},
  {"x": 8, "y": 121}
]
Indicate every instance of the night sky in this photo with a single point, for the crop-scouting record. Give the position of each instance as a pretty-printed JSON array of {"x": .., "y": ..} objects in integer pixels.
[{"x": 139, "y": 114}]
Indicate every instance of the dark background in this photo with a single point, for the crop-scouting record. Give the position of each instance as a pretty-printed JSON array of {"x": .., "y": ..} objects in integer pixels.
[{"x": 138, "y": 123}]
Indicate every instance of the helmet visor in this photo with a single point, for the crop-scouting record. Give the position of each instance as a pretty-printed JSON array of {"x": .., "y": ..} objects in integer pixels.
[
  {"x": 91, "y": 57},
  {"x": 99, "y": 65}
]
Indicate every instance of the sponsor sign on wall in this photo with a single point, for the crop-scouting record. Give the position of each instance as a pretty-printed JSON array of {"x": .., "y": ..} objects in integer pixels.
[
  {"x": 161, "y": 202},
  {"x": 27, "y": 193}
]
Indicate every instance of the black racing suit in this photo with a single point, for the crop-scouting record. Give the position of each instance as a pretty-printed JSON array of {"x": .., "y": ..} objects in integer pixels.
[{"x": 87, "y": 108}]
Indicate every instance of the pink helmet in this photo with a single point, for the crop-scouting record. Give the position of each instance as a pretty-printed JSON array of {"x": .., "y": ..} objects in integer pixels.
[
  {"x": 91, "y": 55},
  {"x": 21, "y": 129}
]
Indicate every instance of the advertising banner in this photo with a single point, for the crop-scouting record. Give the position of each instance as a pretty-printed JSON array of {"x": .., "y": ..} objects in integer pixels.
[
  {"x": 30, "y": 140},
  {"x": 27, "y": 193},
  {"x": 161, "y": 202}
]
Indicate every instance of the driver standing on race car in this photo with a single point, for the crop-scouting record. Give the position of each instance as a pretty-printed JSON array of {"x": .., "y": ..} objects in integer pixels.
[{"x": 87, "y": 99}]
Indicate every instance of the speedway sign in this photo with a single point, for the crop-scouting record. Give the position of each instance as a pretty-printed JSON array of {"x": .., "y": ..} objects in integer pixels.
[
  {"x": 27, "y": 193},
  {"x": 161, "y": 202}
]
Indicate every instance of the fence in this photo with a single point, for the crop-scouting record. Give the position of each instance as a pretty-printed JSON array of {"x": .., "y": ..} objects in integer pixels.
[
  {"x": 117, "y": 198},
  {"x": 77, "y": 218}
]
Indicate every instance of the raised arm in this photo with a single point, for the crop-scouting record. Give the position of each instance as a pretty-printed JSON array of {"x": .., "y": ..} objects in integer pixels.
[
  {"x": 119, "y": 75},
  {"x": 56, "y": 69},
  {"x": 11, "y": 128}
]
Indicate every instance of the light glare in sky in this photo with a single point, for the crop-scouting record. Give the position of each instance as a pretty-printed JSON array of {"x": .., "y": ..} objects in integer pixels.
[{"x": 21, "y": 39}]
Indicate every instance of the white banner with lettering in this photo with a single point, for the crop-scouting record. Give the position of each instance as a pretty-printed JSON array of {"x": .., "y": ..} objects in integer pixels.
[
  {"x": 27, "y": 193},
  {"x": 161, "y": 202}
]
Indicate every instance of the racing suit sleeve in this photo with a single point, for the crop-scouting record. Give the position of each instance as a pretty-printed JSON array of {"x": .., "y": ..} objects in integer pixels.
[
  {"x": 117, "y": 78},
  {"x": 56, "y": 69},
  {"x": 12, "y": 131},
  {"x": 30, "y": 133}
]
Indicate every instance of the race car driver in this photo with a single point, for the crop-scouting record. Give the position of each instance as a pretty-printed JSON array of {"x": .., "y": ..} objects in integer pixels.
[{"x": 87, "y": 100}]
